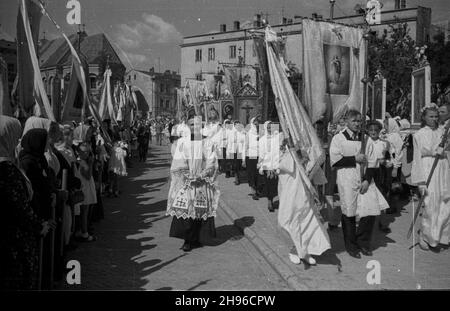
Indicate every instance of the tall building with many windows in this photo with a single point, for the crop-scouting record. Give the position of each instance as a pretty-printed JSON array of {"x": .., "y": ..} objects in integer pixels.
[{"x": 205, "y": 54}]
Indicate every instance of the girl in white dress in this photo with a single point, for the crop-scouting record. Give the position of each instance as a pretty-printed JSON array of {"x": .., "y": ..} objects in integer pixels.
[
  {"x": 297, "y": 215},
  {"x": 435, "y": 222},
  {"x": 88, "y": 188}
]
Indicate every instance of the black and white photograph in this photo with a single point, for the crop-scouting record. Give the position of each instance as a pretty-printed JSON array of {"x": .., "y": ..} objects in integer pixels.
[{"x": 213, "y": 153}]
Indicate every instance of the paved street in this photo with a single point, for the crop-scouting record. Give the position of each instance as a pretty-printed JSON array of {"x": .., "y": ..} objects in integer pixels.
[{"x": 134, "y": 251}]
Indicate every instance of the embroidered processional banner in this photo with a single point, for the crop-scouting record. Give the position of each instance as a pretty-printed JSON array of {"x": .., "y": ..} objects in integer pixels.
[{"x": 333, "y": 68}]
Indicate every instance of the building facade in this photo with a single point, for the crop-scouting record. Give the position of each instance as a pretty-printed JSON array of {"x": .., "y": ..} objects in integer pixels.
[
  {"x": 205, "y": 54},
  {"x": 156, "y": 91}
]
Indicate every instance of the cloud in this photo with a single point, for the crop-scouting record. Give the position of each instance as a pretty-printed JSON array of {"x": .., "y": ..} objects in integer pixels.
[
  {"x": 151, "y": 29},
  {"x": 137, "y": 59}
]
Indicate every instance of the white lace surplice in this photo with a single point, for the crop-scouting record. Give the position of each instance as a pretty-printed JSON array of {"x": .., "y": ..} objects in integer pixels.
[{"x": 190, "y": 195}]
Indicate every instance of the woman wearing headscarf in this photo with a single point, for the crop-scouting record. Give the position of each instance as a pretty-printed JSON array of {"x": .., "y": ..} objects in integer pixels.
[
  {"x": 268, "y": 163},
  {"x": 251, "y": 156},
  {"x": 33, "y": 162},
  {"x": 395, "y": 142},
  {"x": 53, "y": 135},
  {"x": 20, "y": 227}
]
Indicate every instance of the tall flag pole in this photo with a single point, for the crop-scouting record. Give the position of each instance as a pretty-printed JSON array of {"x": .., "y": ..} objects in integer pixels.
[
  {"x": 38, "y": 86},
  {"x": 79, "y": 71}
]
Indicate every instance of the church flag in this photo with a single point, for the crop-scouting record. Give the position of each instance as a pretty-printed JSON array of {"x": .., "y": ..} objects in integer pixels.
[
  {"x": 28, "y": 64},
  {"x": 333, "y": 67},
  {"x": 293, "y": 117}
]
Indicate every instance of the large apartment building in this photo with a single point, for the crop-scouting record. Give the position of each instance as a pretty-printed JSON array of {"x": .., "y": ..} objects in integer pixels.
[{"x": 205, "y": 54}]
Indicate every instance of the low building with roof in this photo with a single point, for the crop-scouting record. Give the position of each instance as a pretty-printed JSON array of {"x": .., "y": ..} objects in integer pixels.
[{"x": 55, "y": 61}]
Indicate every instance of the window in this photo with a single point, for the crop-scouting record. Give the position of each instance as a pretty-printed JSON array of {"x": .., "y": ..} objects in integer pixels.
[
  {"x": 167, "y": 88},
  {"x": 232, "y": 51},
  {"x": 167, "y": 104},
  {"x": 93, "y": 82},
  {"x": 161, "y": 88},
  {"x": 161, "y": 103},
  {"x": 198, "y": 55},
  {"x": 134, "y": 77},
  {"x": 211, "y": 54}
]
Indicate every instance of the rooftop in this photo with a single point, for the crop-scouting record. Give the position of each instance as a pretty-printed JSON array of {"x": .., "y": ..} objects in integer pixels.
[{"x": 94, "y": 48}]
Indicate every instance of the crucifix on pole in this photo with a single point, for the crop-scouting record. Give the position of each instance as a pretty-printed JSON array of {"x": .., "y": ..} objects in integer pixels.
[{"x": 247, "y": 109}]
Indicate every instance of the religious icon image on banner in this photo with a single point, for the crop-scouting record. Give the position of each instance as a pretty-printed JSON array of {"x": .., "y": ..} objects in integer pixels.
[
  {"x": 213, "y": 108},
  {"x": 337, "y": 65},
  {"x": 421, "y": 92},
  {"x": 227, "y": 110},
  {"x": 379, "y": 99}
]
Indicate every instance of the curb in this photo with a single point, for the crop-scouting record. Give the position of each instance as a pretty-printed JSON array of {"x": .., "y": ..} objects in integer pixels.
[{"x": 277, "y": 264}]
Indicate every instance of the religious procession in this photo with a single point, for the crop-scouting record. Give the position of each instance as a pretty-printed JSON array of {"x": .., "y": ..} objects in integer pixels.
[{"x": 310, "y": 154}]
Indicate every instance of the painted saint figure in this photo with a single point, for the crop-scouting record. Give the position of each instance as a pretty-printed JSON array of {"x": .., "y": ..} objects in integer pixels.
[{"x": 336, "y": 66}]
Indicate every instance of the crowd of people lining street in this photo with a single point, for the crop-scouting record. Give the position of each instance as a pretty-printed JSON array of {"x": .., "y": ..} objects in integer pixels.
[{"x": 53, "y": 178}]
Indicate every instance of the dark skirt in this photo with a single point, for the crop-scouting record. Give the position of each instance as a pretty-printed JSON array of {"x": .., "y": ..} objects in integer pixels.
[
  {"x": 193, "y": 230},
  {"x": 271, "y": 186},
  {"x": 252, "y": 172}
]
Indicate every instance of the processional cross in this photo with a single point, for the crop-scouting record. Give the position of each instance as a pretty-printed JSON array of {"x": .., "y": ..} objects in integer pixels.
[{"x": 247, "y": 109}]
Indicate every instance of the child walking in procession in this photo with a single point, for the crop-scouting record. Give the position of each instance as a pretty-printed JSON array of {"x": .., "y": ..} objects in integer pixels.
[
  {"x": 117, "y": 166},
  {"x": 435, "y": 221}
]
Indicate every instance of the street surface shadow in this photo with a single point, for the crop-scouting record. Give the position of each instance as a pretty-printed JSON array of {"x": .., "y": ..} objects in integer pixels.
[
  {"x": 149, "y": 270},
  {"x": 230, "y": 232},
  {"x": 164, "y": 288},
  {"x": 198, "y": 285}
]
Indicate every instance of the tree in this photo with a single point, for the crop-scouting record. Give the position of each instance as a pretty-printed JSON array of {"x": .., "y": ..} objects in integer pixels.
[
  {"x": 393, "y": 54},
  {"x": 439, "y": 57}
]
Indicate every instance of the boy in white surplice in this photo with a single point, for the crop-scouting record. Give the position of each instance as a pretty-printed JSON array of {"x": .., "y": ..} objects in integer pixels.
[{"x": 346, "y": 157}]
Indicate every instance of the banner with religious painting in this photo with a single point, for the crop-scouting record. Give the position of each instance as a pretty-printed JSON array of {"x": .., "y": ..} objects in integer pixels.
[
  {"x": 213, "y": 107},
  {"x": 333, "y": 67},
  {"x": 421, "y": 92},
  {"x": 379, "y": 99},
  {"x": 227, "y": 109}
]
